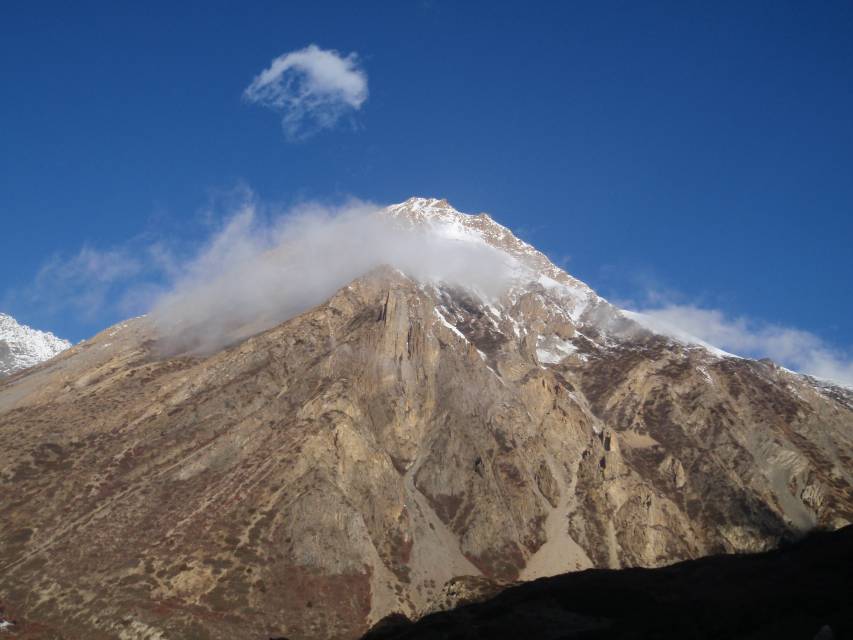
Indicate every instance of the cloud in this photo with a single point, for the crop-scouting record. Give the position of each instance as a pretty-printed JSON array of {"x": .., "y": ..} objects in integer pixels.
[
  {"x": 97, "y": 283},
  {"x": 311, "y": 89},
  {"x": 83, "y": 281},
  {"x": 259, "y": 270},
  {"x": 795, "y": 348}
]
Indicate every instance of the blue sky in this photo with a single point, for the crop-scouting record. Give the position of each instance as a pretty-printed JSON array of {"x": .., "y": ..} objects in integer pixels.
[{"x": 672, "y": 155}]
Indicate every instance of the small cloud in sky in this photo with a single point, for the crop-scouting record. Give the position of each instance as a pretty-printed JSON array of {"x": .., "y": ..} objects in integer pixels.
[
  {"x": 312, "y": 89},
  {"x": 800, "y": 350}
]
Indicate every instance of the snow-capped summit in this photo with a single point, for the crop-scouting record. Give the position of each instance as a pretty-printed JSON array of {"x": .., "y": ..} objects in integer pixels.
[
  {"x": 22, "y": 346},
  {"x": 532, "y": 266},
  {"x": 445, "y": 219}
]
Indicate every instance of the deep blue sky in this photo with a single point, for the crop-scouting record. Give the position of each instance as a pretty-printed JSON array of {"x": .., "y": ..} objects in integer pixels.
[{"x": 702, "y": 149}]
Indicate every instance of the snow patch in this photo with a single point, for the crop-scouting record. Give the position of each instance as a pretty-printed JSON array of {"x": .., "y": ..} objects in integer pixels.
[
  {"x": 447, "y": 324},
  {"x": 553, "y": 350}
]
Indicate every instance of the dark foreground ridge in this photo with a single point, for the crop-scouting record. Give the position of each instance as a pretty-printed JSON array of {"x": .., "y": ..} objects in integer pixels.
[{"x": 803, "y": 590}]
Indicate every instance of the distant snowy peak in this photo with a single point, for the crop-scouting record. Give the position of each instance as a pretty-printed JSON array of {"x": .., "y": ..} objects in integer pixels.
[{"x": 22, "y": 346}]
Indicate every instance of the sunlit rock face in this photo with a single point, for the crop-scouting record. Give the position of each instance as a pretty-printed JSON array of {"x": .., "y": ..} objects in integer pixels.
[{"x": 352, "y": 461}]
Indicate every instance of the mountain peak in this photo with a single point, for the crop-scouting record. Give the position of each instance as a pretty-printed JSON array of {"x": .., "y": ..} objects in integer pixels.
[{"x": 443, "y": 218}]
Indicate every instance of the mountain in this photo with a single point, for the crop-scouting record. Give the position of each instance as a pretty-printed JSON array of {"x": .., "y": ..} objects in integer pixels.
[
  {"x": 350, "y": 462},
  {"x": 22, "y": 347}
]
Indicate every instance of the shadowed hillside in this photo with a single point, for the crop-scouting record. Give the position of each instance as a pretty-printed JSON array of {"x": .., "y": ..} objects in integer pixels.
[{"x": 794, "y": 592}]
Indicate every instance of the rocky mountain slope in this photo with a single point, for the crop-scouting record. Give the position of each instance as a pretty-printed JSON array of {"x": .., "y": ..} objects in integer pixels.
[
  {"x": 22, "y": 347},
  {"x": 348, "y": 463}
]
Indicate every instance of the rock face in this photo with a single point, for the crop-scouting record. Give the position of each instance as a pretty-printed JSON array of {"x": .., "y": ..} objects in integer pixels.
[
  {"x": 22, "y": 347},
  {"x": 349, "y": 463}
]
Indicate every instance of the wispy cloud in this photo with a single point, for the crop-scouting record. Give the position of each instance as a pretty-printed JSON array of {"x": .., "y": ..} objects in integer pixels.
[
  {"x": 83, "y": 281},
  {"x": 97, "y": 283},
  {"x": 795, "y": 348},
  {"x": 311, "y": 89},
  {"x": 263, "y": 268}
]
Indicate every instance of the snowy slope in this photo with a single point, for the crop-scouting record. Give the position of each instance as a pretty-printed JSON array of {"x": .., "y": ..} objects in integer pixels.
[{"x": 22, "y": 346}]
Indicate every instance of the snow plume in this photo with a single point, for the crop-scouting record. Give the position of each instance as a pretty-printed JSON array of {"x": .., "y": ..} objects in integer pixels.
[
  {"x": 794, "y": 348},
  {"x": 311, "y": 88},
  {"x": 259, "y": 270}
]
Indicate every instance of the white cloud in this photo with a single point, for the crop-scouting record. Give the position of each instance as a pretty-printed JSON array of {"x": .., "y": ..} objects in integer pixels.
[
  {"x": 259, "y": 271},
  {"x": 797, "y": 349},
  {"x": 311, "y": 88}
]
